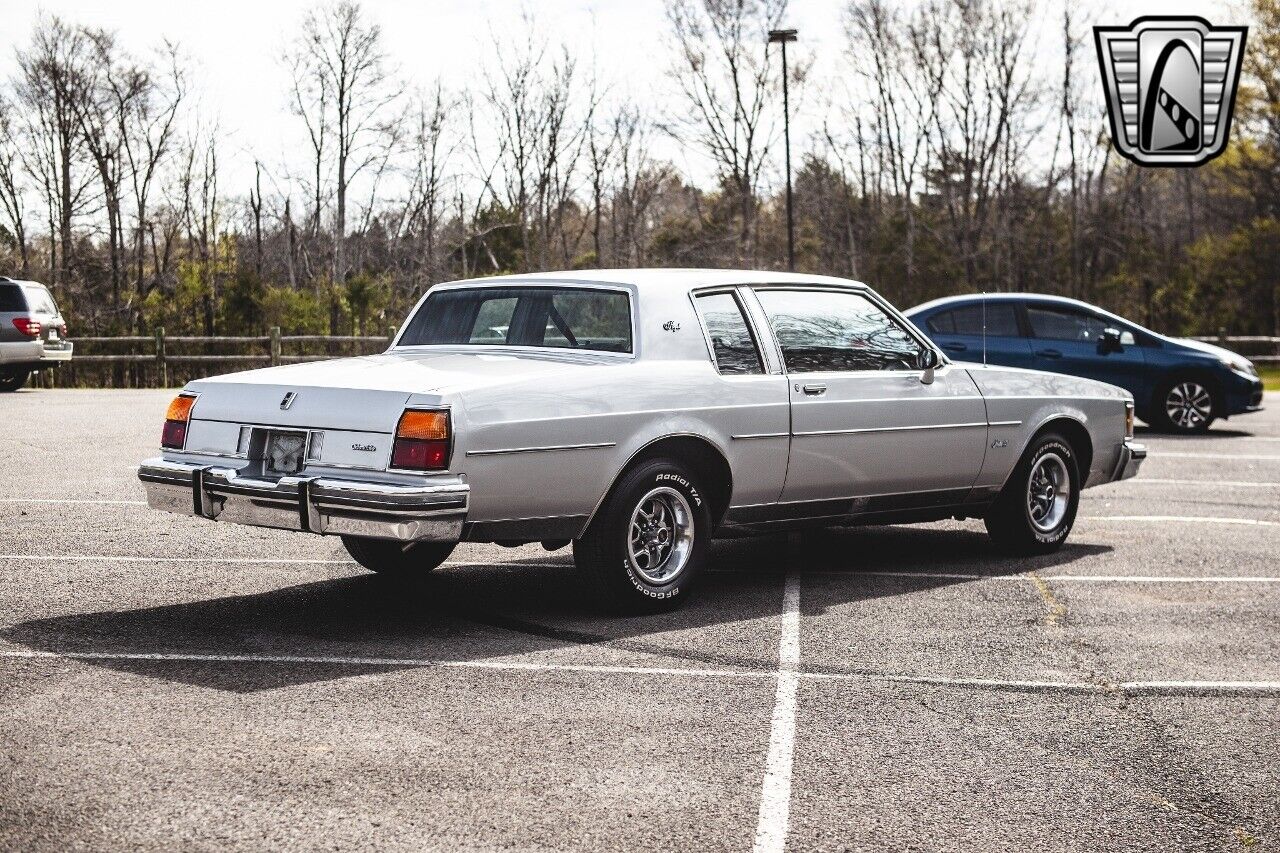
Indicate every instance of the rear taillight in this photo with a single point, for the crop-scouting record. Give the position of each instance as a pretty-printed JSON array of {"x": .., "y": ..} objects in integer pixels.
[
  {"x": 174, "y": 436},
  {"x": 27, "y": 326},
  {"x": 422, "y": 441},
  {"x": 1128, "y": 419},
  {"x": 62, "y": 330}
]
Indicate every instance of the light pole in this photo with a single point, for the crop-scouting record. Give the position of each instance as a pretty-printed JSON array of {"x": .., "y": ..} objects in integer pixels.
[{"x": 782, "y": 37}]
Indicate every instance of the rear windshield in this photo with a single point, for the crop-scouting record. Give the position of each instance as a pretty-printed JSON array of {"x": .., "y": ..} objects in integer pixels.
[
  {"x": 554, "y": 317},
  {"x": 11, "y": 298},
  {"x": 40, "y": 300}
]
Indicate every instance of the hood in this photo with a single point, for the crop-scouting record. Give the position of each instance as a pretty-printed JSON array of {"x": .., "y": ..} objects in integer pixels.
[{"x": 1208, "y": 349}]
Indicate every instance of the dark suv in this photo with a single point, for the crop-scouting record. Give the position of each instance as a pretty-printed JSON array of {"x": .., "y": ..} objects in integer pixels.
[{"x": 33, "y": 333}]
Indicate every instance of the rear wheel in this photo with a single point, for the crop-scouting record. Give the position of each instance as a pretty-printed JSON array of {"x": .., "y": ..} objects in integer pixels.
[
  {"x": 648, "y": 542},
  {"x": 1037, "y": 507},
  {"x": 13, "y": 379},
  {"x": 1184, "y": 406},
  {"x": 397, "y": 559}
]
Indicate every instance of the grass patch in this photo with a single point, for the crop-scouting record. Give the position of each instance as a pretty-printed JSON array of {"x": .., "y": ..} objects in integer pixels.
[{"x": 1270, "y": 374}]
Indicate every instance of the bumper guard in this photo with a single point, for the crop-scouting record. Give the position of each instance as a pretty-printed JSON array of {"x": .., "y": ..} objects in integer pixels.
[
  {"x": 324, "y": 505},
  {"x": 1131, "y": 458}
]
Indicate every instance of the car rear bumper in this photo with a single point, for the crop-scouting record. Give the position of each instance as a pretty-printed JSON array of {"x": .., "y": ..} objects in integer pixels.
[
  {"x": 1131, "y": 458},
  {"x": 57, "y": 352},
  {"x": 432, "y": 512}
]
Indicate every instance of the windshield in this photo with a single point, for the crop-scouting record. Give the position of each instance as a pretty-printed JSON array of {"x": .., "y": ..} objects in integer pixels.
[{"x": 554, "y": 317}]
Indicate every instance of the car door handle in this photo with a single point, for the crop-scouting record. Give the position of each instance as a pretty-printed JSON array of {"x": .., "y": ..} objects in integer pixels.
[
  {"x": 1049, "y": 353},
  {"x": 955, "y": 346},
  {"x": 813, "y": 389}
]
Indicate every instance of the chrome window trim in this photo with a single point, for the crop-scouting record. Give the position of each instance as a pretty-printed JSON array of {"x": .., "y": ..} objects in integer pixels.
[{"x": 734, "y": 292}]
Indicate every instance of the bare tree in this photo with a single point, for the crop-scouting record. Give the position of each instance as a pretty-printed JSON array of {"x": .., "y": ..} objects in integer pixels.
[
  {"x": 12, "y": 187},
  {"x": 51, "y": 88},
  {"x": 342, "y": 87},
  {"x": 726, "y": 82}
]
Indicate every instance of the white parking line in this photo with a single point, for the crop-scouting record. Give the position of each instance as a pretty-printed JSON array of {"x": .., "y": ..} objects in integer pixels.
[
  {"x": 1163, "y": 454},
  {"x": 1144, "y": 481},
  {"x": 775, "y": 792},
  {"x": 778, "y": 799},
  {"x": 1183, "y": 519},
  {"x": 420, "y": 663},
  {"x": 93, "y": 558},
  {"x": 70, "y": 501},
  {"x": 107, "y": 558},
  {"x": 247, "y": 561}
]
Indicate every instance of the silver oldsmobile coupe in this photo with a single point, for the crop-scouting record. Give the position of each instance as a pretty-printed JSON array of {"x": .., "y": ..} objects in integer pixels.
[{"x": 637, "y": 414}]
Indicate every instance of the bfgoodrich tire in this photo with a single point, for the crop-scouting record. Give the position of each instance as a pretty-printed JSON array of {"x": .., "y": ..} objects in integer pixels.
[
  {"x": 648, "y": 542},
  {"x": 12, "y": 380},
  {"x": 397, "y": 559},
  {"x": 1037, "y": 507}
]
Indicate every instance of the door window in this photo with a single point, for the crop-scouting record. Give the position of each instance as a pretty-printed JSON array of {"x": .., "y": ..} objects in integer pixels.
[
  {"x": 822, "y": 330},
  {"x": 735, "y": 350},
  {"x": 1064, "y": 324},
  {"x": 1001, "y": 321}
]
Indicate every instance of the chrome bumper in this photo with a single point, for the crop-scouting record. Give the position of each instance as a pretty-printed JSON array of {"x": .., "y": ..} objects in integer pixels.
[
  {"x": 432, "y": 512},
  {"x": 1131, "y": 457},
  {"x": 58, "y": 354}
]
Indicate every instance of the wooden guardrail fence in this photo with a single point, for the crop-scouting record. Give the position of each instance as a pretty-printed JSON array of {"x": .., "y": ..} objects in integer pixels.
[{"x": 159, "y": 359}]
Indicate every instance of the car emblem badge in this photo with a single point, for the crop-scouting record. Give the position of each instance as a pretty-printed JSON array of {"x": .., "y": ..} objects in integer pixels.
[
  {"x": 1171, "y": 87},
  {"x": 288, "y": 399},
  {"x": 671, "y": 326}
]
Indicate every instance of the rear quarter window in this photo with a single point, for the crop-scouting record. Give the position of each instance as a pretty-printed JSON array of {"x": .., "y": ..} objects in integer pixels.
[
  {"x": 40, "y": 300},
  {"x": 11, "y": 299}
]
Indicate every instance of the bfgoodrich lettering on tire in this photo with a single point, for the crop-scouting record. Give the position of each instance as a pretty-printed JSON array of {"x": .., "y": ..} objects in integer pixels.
[
  {"x": 648, "y": 542},
  {"x": 1037, "y": 507}
]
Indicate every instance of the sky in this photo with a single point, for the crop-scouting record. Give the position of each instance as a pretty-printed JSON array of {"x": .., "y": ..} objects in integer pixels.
[{"x": 236, "y": 46}]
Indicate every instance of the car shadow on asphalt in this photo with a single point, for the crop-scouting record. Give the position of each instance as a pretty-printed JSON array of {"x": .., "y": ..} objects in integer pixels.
[{"x": 490, "y": 611}]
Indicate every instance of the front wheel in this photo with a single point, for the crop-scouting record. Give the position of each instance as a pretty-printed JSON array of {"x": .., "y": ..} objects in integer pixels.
[
  {"x": 1037, "y": 507},
  {"x": 648, "y": 542},
  {"x": 1184, "y": 406},
  {"x": 12, "y": 380},
  {"x": 402, "y": 560}
]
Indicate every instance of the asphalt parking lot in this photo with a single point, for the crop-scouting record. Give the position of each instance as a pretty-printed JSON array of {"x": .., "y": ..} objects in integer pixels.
[{"x": 167, "y": 682}]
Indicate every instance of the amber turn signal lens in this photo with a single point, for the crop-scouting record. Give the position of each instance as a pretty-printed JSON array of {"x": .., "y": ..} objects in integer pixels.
[
  {"x": 422, "y": 441},
  {"x": 180, "y": 408},
  {"x": 426, "y": 426}
]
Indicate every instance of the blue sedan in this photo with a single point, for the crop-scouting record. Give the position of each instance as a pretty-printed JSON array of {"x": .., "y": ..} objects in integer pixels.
[{"x": 1178, "y": 385}]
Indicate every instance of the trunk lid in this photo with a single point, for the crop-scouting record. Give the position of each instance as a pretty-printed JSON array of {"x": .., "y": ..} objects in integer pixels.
[{"x": 367, "y": 393}]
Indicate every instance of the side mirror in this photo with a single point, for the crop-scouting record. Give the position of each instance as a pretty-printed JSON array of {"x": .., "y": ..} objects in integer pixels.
[
  {"x": 1110, "y": 341},
  {"x": 928, "y": 363}
]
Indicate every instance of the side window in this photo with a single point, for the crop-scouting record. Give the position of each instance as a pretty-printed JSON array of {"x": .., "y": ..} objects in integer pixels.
[
  {"x": 1064, "y": 324},
  {"x": 826, "y": 330},
  {"x": 736, "y": 351},
  {"x": 1001, "y": 320},
  {"x": 11, "y": 299}
]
